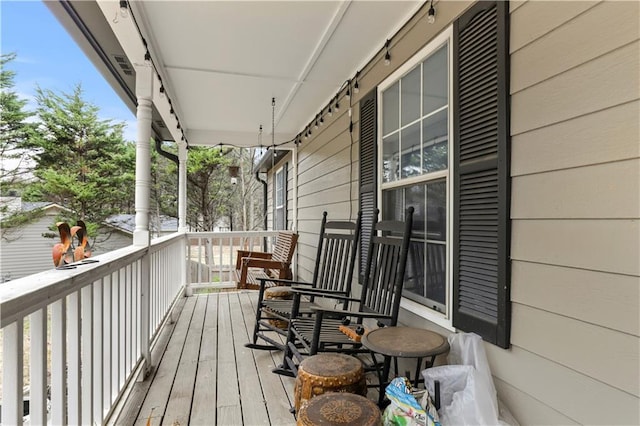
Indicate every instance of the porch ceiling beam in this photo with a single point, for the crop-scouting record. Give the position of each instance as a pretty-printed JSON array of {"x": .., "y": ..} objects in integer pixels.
[
  {"x": 313, "y": 58},
  {"x": 232, "y": 138}
]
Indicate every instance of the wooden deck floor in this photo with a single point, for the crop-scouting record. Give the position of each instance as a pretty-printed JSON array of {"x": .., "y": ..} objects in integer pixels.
[{"x": 205, "y": 376}]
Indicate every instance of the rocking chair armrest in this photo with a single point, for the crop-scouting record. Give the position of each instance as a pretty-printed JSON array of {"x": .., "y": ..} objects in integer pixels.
[
  {"x": 323, "y": 293},
  {"x": 331, "y": 312},
  {"x": 320, "y": 291},
  {"x": 282, "y": 282}
]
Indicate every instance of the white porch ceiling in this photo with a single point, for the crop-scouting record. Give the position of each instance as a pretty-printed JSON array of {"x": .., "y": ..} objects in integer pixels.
[{"x": 222, "y": 62}]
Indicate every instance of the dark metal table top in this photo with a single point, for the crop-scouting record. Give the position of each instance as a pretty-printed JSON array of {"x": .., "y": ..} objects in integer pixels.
[{"x": 405, "y": 342}]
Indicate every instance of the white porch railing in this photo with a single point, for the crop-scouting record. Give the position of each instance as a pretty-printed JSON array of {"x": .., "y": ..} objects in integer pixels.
[
  {"x": 100, "y": 318},
  {"x": 212, "y": 255},
  {"x": 89, "y": 329}
]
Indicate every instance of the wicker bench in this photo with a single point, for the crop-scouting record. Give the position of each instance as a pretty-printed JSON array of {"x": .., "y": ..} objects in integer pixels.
[{"x": 252, "y": 265}]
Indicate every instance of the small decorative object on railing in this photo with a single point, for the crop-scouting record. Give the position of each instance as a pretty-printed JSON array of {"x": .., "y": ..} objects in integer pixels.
[{"x": 65, "y": 251}]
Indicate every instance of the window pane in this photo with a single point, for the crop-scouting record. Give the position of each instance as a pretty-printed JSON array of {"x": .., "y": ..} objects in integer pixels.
[
  {"x": 392, "y": 205},
  {"x": 435, "y": 142},
  {"x": 435, "y": 81},
  {"x": 436, "y": 242},
  {"x": 410, "y": 97},
  {"x": 410, "y": 161},
  {"x": 414, "y": 282},
  {"x": 390, "y": 157},
  {"x": 391, "y": 109}
]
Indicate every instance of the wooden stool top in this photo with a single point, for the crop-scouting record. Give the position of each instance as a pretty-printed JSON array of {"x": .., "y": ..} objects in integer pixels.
[
  {"x": 331, "y": 365},
  {"x": 338, "y": 408}
]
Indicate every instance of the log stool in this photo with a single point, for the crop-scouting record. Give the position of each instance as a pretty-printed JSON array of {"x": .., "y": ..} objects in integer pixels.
[
  {"x": 328, "y": 372},
  {"x": 278, "y": 293},
  {"x": 339, "y": 409}
]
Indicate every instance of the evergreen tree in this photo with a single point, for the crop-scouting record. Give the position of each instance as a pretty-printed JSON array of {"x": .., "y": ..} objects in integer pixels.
[
  {"x": 82, "y": 162},
  {"x": 14, "y": 129}
]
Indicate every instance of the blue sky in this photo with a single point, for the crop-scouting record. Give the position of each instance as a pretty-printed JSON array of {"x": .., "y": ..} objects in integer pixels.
[{"x": 50, "y": 58}]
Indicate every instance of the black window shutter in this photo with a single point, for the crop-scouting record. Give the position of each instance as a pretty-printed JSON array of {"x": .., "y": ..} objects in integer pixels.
[
  {"x": 368, "y": 178},
  {"x": 481, "y": 238}
]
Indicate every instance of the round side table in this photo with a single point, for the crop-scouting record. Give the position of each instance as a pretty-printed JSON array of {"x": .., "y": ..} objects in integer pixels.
[{"x": 403, "y": 342}]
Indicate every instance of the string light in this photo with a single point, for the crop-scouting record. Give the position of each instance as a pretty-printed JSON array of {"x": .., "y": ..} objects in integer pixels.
[
  {"x": 161, "y": 91},
  {"x": 431, "y": 18},
  {"x": 387, "y": 56},
  {"x": 329, "y": 111},
  {"x": 356, "y": 87},
  {"x": 124, "y": 9}
]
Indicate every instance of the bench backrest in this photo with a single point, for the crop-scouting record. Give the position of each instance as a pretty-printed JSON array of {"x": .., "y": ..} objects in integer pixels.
[{"x": 285, "y": 246}]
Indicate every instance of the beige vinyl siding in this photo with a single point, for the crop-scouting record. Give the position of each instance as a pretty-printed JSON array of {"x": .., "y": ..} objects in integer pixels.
[
  {"x": 575, "y": 208},
  {"x": 575, "y": 205}
]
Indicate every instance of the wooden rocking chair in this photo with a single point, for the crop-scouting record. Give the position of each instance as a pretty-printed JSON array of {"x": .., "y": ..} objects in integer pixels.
[
  {"x": 379, "y": 302},
  {"x": 332, "y": 274}
]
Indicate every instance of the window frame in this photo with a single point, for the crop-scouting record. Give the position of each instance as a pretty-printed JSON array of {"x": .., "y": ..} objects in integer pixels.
[
  {"x": 281, "y": 170},
  {"x": 443, "y": 319}
]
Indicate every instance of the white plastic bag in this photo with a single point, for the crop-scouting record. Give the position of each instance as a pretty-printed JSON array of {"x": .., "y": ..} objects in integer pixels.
[{"x": 467, "y": 394}]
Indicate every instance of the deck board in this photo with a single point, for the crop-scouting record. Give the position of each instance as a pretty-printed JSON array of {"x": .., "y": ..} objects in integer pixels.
[
  {"x": 205, "y": 375},
  {"x": 202, "y": 410}
]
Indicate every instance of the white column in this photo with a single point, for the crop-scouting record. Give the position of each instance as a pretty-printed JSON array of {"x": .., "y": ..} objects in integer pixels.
[
  {"x": 144, "y": 94},
  {"x": 182, "y": 214},
  {"x": 141, "y": 235},
  {"x": 294, "y": 160},
  {"x": 182, "y": 187}
]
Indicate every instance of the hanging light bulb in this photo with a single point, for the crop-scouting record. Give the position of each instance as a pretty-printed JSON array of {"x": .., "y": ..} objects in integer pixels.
[
  {"x": 348, "y": 94},
  {"x": 329, "y": 111},
  {"x": 431, "y": 18},
  {"x": 337, "y": 104},
  {"x": 356, "y": 86},
  {"x": 387, "y": 56},
  {"x": 162, "y": 91},
  {"x": 124, "y": 9},
  {"x": 147, "y": 57},
  {"x": 315, "y": 126},
  {"x": 321, "y": 120}
]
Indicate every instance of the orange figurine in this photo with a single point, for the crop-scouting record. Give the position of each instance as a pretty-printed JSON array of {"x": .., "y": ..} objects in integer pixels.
[
  {"x": 82, "y": 250},
  {"x": 62, "y": 253}
]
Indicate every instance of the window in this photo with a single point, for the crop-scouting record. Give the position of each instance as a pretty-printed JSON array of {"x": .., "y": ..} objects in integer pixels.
[
  {"x": 414, "y": 151},
  {"x": 442, "y": 129},
  {"x": 280, "y": 199}
]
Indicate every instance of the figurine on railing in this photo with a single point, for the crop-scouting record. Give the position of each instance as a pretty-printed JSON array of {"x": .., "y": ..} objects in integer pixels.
[{"x": 65, "y": 252}]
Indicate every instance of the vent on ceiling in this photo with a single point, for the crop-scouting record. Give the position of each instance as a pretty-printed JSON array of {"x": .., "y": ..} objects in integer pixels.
[{"x": 124, "y": 64}]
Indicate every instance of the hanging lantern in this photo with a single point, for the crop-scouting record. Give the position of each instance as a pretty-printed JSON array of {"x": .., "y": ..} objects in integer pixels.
[{"x": 233, "y": 172}]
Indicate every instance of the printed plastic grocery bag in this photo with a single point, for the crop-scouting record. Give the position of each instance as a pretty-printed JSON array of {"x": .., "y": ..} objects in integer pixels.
[{"x": 404, "y": 409}]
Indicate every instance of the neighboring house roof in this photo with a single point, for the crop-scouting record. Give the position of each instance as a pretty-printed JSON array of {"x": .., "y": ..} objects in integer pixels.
[
  {"x": 28, "y": 206},
  {"x": 127, "y": 223}
]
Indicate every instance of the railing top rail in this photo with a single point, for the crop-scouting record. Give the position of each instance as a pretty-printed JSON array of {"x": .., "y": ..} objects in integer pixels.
[{"x": 230, "y": 234}]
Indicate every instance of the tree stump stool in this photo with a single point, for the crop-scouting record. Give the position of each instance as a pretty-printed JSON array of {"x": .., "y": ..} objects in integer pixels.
[
  {"x": 339, "y": 409},
  {"x": 278, "y": 293},
  {"x": 328, "y": 372}
]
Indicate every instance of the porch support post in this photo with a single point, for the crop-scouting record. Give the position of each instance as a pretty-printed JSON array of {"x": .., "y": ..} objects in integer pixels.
[
  {"x": 182, "y": 187},
  {"x": 144, "y": 94},
  {"x": 141, "y": 235},
  {"x": 182, "y": 212},
  {"x": 294, "y": 161}
]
